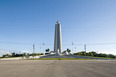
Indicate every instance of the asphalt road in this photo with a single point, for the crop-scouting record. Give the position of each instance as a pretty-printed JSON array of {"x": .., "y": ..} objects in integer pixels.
[{"x": 58, "y": 68}]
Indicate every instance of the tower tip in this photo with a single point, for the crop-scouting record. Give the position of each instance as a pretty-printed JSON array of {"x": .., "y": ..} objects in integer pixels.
[{"x": 57, "y": 22}]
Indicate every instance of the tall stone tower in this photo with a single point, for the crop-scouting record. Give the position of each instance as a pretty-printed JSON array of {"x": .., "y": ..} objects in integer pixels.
[{"x": 58, "y": 39}]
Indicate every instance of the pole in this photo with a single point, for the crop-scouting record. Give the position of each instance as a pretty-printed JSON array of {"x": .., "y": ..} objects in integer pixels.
[
  {"x": 40, "y": 49},
  {"x": 97, "y": 53},
  {"x": 33, "y": 50},
  {"x": 43, "y": 48},
  {"x": 85, "y": 49},
  {"x": 75, "y": 49},
  {"x": 72, "y": 47}
]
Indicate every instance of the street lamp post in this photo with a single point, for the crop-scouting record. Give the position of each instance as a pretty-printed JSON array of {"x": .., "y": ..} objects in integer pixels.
[
  {"x": 33, "y": 50},
  {"x": 75, "y": 49},
  {"x": 72, "y": 47},
  {"x": 43, "y": 48},
  {"x": 85, "y": 49}
]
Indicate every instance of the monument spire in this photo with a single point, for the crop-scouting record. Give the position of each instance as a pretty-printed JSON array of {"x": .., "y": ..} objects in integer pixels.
[{"x": 58, "y": 39}]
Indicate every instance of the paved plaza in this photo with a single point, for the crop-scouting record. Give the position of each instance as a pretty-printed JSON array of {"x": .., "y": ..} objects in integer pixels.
[{"x": 58, "y": 68}]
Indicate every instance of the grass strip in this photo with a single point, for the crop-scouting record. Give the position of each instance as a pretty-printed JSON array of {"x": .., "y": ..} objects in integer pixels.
[{"x": 60, "y": 59}]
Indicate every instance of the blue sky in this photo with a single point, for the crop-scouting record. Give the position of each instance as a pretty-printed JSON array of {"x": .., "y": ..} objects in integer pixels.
[{"x": 33, "y": 21}]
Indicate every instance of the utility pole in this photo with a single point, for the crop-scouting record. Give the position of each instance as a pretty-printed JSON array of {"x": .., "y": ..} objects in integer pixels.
[
  {"x": 97, "y": 53},
  {"x": 72, "y": 47},
  {"x": 33, "y": 50},
  {"x": 40, "y": 49},
  {"x": 75, "y": 49},
  {"x": 85, "y": 49},
  {"x": 43, "y": 48}
]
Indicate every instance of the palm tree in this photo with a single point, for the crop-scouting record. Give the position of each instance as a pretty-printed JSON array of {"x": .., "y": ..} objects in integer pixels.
[
  {"x": 68, "y": 50},
  {"x": 47, "y": 50},
  {"x": 24, "y": 54}
]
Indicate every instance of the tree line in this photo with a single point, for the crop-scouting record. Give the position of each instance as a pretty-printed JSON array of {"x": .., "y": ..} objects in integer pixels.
[
  {"x": 95, "y": 54},
  {"x": 21, "y": 55},
  {"x": 81, "y": 53}
]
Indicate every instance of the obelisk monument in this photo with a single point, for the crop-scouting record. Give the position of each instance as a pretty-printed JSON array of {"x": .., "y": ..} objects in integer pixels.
[{"x": 58, "y": 39}]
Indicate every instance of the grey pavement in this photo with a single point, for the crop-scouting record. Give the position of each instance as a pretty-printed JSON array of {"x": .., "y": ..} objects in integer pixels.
[
  {"x": 54, "y": 56},
  {"x": 58, "y": 68}
]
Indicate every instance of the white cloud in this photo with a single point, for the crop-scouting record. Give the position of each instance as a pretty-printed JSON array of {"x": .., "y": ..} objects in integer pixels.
[{"x": 26, "y": 51}]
